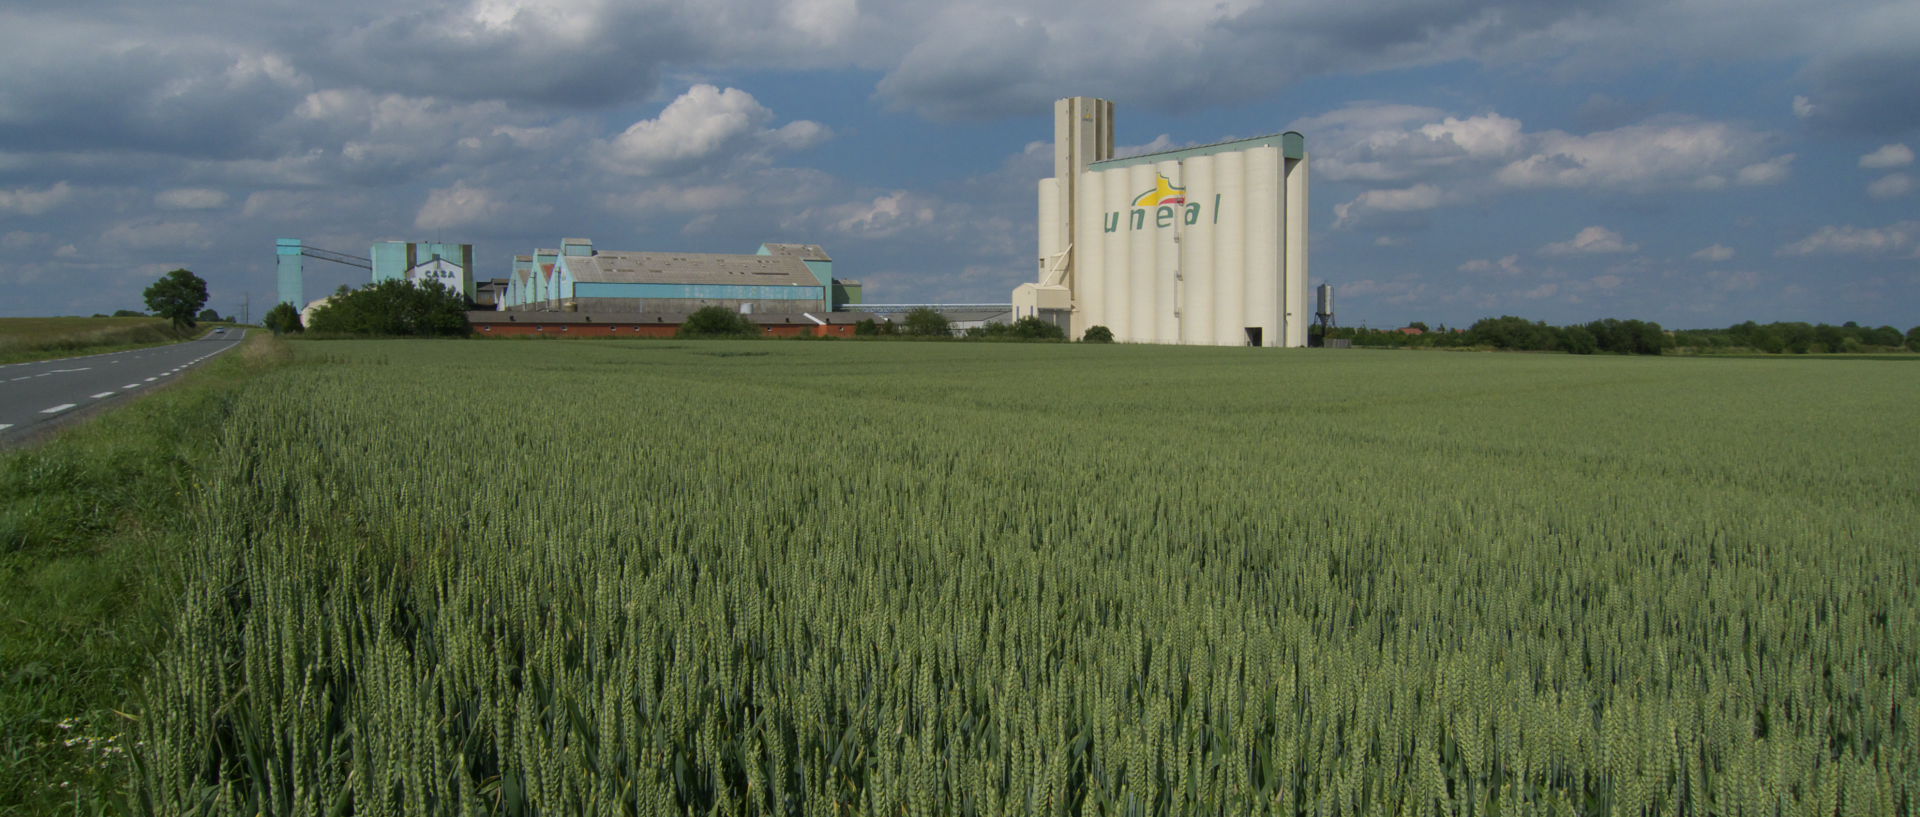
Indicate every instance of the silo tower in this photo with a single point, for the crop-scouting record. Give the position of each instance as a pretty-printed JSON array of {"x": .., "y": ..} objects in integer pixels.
[{"x": 1324, "y": 312}]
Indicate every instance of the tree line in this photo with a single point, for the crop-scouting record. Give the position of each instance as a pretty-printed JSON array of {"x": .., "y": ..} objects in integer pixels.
[{"x": 1636, "y": 337}]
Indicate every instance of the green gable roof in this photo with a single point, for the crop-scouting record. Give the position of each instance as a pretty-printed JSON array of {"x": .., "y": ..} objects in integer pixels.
[{"x": 1292, "y": 145}]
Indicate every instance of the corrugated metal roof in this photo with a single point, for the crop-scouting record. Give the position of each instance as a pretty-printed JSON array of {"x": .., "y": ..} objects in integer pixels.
[
  {"x": 690, "y": 268},
  {"x": 980, "y": 315},
  {"x": 1291, "y": 144},
  {"x": 804, "y": 252},
  {"x": 653, "y": 318}
]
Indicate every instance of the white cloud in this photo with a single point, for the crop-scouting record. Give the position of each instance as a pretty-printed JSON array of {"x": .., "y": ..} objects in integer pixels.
[
  {"x": 693, "y": 198},
  {"x": 1382, "y": 142},
  {"x": 458, "y": 206},
  {"x": 21, "y": 239},
  {"x": 884, "y": 216},
  {"x": 1506, "y": 265},
  {"x": 1403, "y": 200},
  {"x": 1716, "y": 252},
  {"x": 706, "y": 123},
  {"x": 1546, "y": 290},
  {"x": 1734, "y": 280},
  {"x": 1891, "y": 186},
  {"x": 1396, "y": 291},
  {"x": 1894, "y": 155},
  {"x": 30, "y": 202},
  {"x": 190, "y": 198},
  {"x": 1771, "y": 171},
  {"x": 1803, "y": 107},
  {"x": 1850, "y": 240},
  {"x": 1667, "y": 154},
  {"x": 1607, "y": 282},
  {"x": 1378, "y": 142},
  {"x": 1592, "y": 240},
  {"x": 1487, "y": 136},
  {"x": 150, "y": 234}
]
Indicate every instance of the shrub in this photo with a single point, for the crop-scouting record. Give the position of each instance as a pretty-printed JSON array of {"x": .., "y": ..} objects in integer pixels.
[
  {"x": 1097, "y": 334},
  {"x": 872, "y": 328},
  {"x": 925, "y": 322},
  {"x": 395, "y": 308},
  {"x": 717, "y": 322},
  {"x": 282, "y": 318}
]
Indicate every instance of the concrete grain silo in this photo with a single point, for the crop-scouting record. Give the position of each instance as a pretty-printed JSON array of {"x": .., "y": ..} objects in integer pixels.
[{"x": 1204, "y": 245}]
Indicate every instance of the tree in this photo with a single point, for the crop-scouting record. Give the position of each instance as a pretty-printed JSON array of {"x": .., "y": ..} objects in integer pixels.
[
  {"x": 177, "y": 296},
  {"x": 1579, "y": 341},
  {"x": 870, "y": 327},
  {"x": 994, "y": 330},
  {"x": 1097, "y": 334},
  {"x": 209, "y": 316},
  {"x": 283, "y": 318},
  {"x": 395, "y": 307},
  {"x": 926, "y": 322},
  {"x": 1420, "y": 325},
  {"x": 717, "y": 322},
  {"x": 128, "y": 313},
  {"x": 1028, "y": 328},
  {"x": 1032, "y": 327},
  {"x": 1510, "y": 332}
]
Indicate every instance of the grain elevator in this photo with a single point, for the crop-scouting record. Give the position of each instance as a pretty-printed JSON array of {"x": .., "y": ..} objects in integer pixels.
[{"x": 1204, "y": 245}]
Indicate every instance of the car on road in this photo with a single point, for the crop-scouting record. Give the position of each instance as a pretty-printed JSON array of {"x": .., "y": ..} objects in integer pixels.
[{"x": 220, "y": 331}]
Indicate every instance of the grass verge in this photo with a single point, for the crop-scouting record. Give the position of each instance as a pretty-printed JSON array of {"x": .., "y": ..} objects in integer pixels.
[
  {"x": 24, "y": 340},
  {"x": 81, "y": 520}
]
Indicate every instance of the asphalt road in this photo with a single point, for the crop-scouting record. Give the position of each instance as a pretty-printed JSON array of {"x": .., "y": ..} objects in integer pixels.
[{"x": 34, "y": 396}]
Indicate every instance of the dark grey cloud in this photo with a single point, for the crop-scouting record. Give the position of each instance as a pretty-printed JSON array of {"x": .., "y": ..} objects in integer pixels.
[
  {"x": 988, "y": 59},
  {"x": 619, "y": 55},
  {"x": 140, "y": 135},
  {"x": 1868, "y": 93},
  {"x": 143, "y": 99}
]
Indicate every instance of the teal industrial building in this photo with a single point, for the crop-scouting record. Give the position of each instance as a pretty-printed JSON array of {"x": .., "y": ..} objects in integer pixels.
[
  {"x": 577, "y": 277},
  {"x": 450, "y": 265}
]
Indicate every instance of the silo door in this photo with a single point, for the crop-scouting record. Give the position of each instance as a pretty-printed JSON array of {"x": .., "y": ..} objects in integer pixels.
[{"x": 1253, "y": 336}]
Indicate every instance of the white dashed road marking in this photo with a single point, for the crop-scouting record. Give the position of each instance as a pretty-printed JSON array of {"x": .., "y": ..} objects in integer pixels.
[
  {"x": 131, "y": 386},
  {"x": 151, "y": 379},
  {"x": 103, "y": 394},
  {"x": 57, "y": 409},
  {"x": 5, "y": 426}
]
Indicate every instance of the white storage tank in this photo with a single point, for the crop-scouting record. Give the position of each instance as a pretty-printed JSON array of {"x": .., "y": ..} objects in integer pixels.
[{"x": 1202, "y": 245}]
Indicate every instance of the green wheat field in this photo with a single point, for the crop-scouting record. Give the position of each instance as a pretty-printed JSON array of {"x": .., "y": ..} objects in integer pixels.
[{"x": 840, "y": 578}]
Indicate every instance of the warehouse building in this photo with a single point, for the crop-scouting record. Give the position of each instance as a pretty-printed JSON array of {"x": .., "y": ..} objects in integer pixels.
[
  {"x": 1204, "y": 245},
  {"x": 652, "y": 324},
  {"x": 450, "y": 265},
  {"x": 786, "y": 279}
]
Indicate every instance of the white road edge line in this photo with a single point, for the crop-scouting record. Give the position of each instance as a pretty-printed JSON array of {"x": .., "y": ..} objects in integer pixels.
[
  {"x": 5, "y": 426},
  {"x": 131, "y": 386},
  {"x": 151, "y": 379},
  {"x": 57, "y": 409},
  {"x": 102, "y": 394}
]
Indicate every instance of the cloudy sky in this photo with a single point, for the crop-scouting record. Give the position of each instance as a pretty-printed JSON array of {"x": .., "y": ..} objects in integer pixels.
[{"x": 1694, "y": 162}]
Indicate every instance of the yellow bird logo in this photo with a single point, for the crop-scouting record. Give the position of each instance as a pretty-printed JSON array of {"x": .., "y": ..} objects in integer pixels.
[{"x": 1163, "y": 192}]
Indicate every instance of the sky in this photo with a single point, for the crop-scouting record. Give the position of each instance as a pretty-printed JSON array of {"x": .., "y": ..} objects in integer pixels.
[{"x": 1692, "y": 162}]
